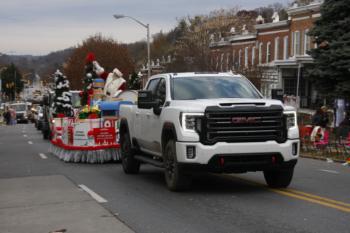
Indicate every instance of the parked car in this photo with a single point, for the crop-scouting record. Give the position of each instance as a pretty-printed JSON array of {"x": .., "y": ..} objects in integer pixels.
[{"x": 38, "y": 116}]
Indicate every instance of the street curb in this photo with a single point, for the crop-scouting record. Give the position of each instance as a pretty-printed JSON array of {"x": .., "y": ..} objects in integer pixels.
[{"x": 322, "y": 158}]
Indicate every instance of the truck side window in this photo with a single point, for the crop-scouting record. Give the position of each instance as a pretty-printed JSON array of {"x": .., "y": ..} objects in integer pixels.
[
  {"x": 161, "y": 91},
  {"x": 152, "y": 85}
]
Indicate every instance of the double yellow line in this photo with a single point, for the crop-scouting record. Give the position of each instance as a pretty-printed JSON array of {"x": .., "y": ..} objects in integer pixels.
[{"x": 342, "y": 206}]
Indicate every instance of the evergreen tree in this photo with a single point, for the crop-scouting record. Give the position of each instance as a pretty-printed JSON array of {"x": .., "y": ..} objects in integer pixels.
[
  {"x": 11, "y": 82},
  {"x": 331, "y": 69},
  {"x": 134, "y": 82},
  {"x": 62, "y": 102},
  {"x": 90, "y": 75}
]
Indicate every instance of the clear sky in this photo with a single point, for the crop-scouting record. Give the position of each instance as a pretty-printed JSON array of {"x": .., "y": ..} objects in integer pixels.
[{"x": 38, "y": 27}]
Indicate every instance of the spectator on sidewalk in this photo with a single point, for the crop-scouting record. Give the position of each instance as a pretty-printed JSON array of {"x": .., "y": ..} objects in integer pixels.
[
  {"x": 346, "y": 121},
  {"x": 321, "y": 117},
  {"x": 319, "y": 121},
  {"x": 7, "y": 116},
  {"x": 13, "y": 116}
]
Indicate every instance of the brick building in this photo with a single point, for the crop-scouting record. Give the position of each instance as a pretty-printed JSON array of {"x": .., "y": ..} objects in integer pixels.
[{"x": 277, "y": 51}]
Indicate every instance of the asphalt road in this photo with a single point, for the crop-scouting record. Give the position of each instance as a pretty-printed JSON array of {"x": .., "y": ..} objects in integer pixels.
[{"x": 318, "y": 199}]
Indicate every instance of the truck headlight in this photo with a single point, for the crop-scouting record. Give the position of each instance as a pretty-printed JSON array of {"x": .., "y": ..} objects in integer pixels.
[
  {"x": 191, "y": 122},
  {"x": 291, "y": 119}
]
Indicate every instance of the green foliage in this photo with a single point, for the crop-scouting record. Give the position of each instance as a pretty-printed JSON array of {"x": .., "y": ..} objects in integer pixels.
[
  {"x": 62, "y": 103},
  {"x": 11, "y": 81},
  {"x": 331, "y": 70},
  {"x": 134, "y": 82},
  {"x": 90, "y": 75}
]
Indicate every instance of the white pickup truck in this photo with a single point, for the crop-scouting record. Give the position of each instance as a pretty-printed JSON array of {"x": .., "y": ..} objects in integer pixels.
[{"x": 215, "y": 122}]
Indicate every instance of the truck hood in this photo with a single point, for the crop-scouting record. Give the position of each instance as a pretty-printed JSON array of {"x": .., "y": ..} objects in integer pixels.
[{"x": 201, "y": 104}]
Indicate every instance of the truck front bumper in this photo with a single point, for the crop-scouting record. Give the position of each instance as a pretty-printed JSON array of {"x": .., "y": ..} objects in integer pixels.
[{"x": 239, "y": 157}]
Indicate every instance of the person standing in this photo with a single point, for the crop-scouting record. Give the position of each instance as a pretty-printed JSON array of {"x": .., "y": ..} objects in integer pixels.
[
  {"x": 319, "y": 121},
  {"x": 7, "y": 116},
  {"x": 321, "y": 117},
  {"x": 12, "y": 116}
]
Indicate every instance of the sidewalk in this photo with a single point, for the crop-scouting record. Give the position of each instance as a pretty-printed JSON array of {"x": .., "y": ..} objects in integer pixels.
[{"x": 51, "y": 203}]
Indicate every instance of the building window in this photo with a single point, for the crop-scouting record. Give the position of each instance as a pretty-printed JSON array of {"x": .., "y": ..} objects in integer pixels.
[
  {"x": 296, "y": 49},
  {"x": 246, "y": 57},
  {"x": 217, "y": 63},
  {"x": 285, "y": 48},
  {"x": 260, "y": 52},
  {"x": 239, "y": 57},
  {"x": 233, "y": 58},
  {"x": 253, "y": 55},
  {"x": 306, "y": 41},
  {"x": 277, "y": 44},
  {"x": 222, "y": 62},
  {"x": 227, "y": 61},
  {"x": 268, "y": 52}
]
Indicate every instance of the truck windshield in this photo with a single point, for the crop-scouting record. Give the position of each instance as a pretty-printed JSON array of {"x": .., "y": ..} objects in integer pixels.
[
  {"x": 190, "y": 88},
  {"x": 19, "y": 107}
]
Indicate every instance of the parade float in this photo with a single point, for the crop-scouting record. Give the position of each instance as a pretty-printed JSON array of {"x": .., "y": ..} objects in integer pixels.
[{"x": 90, "y": 135}]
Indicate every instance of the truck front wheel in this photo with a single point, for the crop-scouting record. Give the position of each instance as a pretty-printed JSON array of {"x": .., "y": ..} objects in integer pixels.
[
  {"x": 279, "y": 178},
  {"x": 129, "y": 163},
  {"x": 175, "y": 178}
]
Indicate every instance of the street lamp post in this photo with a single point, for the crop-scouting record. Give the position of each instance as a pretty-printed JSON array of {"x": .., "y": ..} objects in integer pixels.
[{"x": 148, "y": 39}]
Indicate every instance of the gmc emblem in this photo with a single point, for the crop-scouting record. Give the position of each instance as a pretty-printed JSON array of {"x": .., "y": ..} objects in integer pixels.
[{"x": 244, "y": 120}]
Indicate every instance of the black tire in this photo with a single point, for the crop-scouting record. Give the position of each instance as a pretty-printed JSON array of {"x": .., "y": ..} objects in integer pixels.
[
  {"x": 175, "y": 178},
  {"x": 279, "y": 178},
  {"x": 129, "y": 163}
]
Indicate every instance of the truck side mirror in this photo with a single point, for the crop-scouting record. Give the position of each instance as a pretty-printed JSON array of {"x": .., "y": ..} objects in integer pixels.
[{"x": 145, "y": 100}]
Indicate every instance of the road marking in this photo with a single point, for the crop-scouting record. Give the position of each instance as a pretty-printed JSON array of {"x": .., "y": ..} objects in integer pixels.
[
  {"x": 30, "y": 142},
  {"x": 94, "y": 195},
  {"x": 329, "y": 171},
  {"x": 43, "y": 156},
  {"x": 320, "y": 202},
  {"x": 342, "y": 206},
  {"x": 318, "y": 197},
  {"x": 25, "y": 135}
]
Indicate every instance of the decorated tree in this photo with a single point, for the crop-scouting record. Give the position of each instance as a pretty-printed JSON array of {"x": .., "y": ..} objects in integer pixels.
[
  {"x": 90, "y": 75},
  {"x": 331, "y": 70},
  {"x": 62, "y": 105}
]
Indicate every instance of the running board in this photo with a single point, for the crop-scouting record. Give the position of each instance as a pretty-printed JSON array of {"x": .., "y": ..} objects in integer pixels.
[{"x": 149, "y": 160}]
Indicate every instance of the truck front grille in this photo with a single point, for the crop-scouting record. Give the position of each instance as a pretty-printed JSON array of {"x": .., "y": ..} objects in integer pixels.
[{"x": 243, "y": 124}]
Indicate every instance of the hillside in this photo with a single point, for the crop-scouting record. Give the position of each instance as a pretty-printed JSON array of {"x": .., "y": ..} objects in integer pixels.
[{"x": 42, "y": 65}]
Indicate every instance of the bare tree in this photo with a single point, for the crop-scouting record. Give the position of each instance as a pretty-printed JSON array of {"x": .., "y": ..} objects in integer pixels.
[{"x": 108, "y": 52}]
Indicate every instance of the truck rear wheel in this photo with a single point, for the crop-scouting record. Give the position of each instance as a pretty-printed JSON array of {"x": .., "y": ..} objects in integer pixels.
[
  {"x": 279, "y": 178},
  {"x": 129, "y": 163},
  {"x": 175, "y": 178}
]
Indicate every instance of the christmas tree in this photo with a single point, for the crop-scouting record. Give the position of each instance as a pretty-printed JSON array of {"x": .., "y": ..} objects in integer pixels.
[
  {"x": 331, "y": 70},
  {"x": 62, "y": 105},
  {"x": 134, "y": 82},
  {"x": 90, "y": 75}
]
